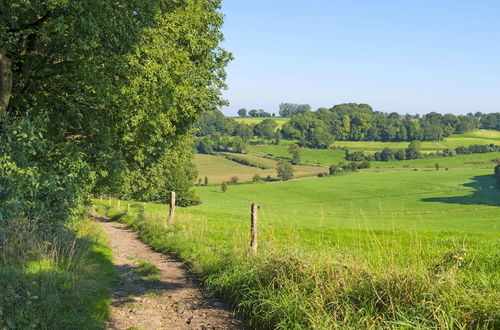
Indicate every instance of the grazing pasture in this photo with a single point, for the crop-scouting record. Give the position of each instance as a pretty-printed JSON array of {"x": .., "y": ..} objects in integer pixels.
[
  {"x": 219, "y": 169},
  {"x": 451, "y": 142},
  {"x": 391, "y": 249},
  {"x": 255, "y": 120}
]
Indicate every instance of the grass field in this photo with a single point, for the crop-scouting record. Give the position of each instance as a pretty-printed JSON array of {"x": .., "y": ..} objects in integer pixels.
[
  {"x": 392, "y": 249},
  {"x": 312, "y": 156},
  {"x": 256, "y": 120},
  {"x": 451, "y": 142},
  {"x": 219, "y": 169}
]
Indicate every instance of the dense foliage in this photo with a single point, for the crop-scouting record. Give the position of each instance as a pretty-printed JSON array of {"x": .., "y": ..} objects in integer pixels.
[
  {"x": 292, "y": 109},
  {"x": 99, "y": 97},
  {"x": 358, "y": 122},
  {"x": 490, "y": 121}
]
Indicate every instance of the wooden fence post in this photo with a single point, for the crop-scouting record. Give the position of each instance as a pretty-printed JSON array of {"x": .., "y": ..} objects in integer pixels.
[
  {"x": 253, "y": 228},
  {"x": 171, "y": 213},
  {"x": 118, "y": 204},
  {"x": 109, "y": 200},
  {"x": 128, "y": 208},
  {"x": 101, "y": 198}
]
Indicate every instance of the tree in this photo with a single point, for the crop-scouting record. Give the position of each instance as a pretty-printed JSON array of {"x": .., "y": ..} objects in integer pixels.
[
  {"x": 90, "y": 82},
  {"x": 436, "y": 166},
  {"x": 234, "y": 180},
  {"x": 244, "y": 131},
  {"x": 253, "y": 113},
  {"x": 413, "y": 150},
  {"x": 238, "y": 145},
  {"x": 295, "y": 152},
  {"x": 284, "y": 170},
  {"x": 242, "y": 113},
  {"x": 387, "y": 155},
  {"x": 292, "y": 109},
  {"x": 266, "y": 129},
  {"x": 223, "y": 187}
]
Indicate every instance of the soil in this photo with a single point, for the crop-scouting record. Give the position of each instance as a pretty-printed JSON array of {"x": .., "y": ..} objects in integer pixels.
[{"x": 169, "y": 300}]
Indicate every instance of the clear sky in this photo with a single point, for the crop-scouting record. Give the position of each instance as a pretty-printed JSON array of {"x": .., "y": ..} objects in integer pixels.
[{"x": 408, "y": 56}]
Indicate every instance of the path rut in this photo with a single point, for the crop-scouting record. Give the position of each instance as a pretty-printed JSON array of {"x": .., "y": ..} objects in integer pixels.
[{"x": 171, "y": 301}]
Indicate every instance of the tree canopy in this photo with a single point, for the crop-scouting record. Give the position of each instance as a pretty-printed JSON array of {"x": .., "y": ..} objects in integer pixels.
[{"x": 105, "y": 94}]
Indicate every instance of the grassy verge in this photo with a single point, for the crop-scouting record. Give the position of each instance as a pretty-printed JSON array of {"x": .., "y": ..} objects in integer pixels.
[
  {"x": 57, "y": 279},
  {"x": 347, "y": 278}
]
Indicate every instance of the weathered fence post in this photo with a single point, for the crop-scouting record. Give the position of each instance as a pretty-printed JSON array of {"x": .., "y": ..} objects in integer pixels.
[
  {"x": 118, "y": 204},
  {"x": 101, "y": 198},
  {"x": 171, "y": 213},
  {"x": 128, "y": 207},
  {"x": 253, "y": 228},
  {"x": 109, "y": 200}
]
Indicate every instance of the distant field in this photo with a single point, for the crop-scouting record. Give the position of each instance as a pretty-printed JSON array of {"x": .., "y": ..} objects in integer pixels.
[
  {"x": 313, "y": 156},
  {"x": 256, "y": 120},
  {"x": 455, "y": 140},
  {"x": 219, "y": 169}
]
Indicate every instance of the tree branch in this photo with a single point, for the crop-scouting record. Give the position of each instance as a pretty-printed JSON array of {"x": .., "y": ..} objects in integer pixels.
[{"x": 31, "y": 25}]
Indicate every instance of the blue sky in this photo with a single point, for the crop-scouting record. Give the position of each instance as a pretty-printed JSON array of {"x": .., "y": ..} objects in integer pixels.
[{"x": 404, "y": 56}]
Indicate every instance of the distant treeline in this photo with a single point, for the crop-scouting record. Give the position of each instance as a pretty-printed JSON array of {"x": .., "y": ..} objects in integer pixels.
[
  {"x": 358, "y": 122},
  {"x": 347, "y": 122}
]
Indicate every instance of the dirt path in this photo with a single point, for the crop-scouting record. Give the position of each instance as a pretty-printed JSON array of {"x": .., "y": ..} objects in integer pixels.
[{"x": 161, "y": 297}]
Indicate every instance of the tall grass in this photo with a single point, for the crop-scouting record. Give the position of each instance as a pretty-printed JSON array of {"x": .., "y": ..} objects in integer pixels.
[
  {"x": 368, "y": 279},
  {"x": 55, "y": 278}
]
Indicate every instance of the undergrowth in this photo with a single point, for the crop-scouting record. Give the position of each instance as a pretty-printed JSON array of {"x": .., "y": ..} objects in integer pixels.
[
  {"x": 56, "y": 278},
  {"x": 384, "y": 284}
]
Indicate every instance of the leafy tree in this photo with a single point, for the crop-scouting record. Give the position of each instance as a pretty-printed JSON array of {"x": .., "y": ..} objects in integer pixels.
[
  {"x": 214, "y": 122},
  {"x": 242, "y": 113},
  {"x": 234, "y": 180},
  {"x": 102, "y": 109},
  {"x": 387, "y": 155},
  {"x": 256, "y": 178},
  {"x": 284, "y": 170},
  {"x": 206, "y": 181},
  {"x": 244, "y": 131},
  {"x": 223, "y": 187},
  {"x": 253, "y": 113},
  {"x": 238, "y": 145},
  {"x": 292, "y": 109},
  {"x": 413, "y": 150},
  {"x": 295, "y": 151},
  {"x": 266, "y": 129},
  {"x": 436, "y": 166}
]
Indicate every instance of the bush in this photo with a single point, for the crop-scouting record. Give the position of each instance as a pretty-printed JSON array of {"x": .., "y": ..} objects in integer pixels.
[
  {"x": 234, "y": 180},
  {"x": 223, "y": 187}
]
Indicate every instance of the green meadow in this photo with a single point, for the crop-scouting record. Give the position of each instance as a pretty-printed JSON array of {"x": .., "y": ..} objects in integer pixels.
[
  {"x": 451, "y": 142},
  {"x": 255, "y": 120},
  {"x": 379, "y": 248}
]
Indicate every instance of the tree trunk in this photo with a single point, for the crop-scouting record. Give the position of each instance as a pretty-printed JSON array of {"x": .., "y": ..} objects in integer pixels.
[{"x": 5, "y": 82}]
